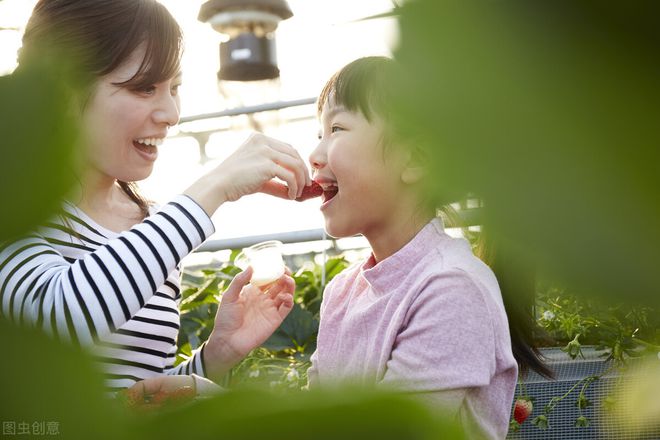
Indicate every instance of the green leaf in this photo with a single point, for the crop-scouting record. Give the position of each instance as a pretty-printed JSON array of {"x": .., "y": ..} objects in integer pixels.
[
  {"x": 39, "y": 144},
  {"x": 581, "y": 422},
  {"x": 541, "y": 422},
  {"x": 299, "y": 328}
]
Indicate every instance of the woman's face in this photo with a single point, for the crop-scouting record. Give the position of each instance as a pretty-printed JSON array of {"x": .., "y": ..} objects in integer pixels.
[{"x": 123, "y": 127}]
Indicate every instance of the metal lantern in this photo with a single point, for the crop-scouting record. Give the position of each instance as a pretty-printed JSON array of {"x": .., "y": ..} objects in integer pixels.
[{"x": 249, "y": 54}]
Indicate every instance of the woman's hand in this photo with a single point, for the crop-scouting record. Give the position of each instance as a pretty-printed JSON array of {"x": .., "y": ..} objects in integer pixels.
[
  {"x": 246, "y": 317},
  {"x": 252, "y": 168},
  {"x": 155, "y": 392}
]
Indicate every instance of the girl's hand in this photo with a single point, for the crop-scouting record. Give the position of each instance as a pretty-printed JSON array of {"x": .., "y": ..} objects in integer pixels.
[{"x": 246, "y": 317}]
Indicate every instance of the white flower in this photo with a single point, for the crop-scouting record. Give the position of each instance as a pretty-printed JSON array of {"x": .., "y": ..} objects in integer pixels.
[
  {"x": 292, "y": 375},
  {"x": 548, "y": 315},
  {"x": 254, "y": 373}
]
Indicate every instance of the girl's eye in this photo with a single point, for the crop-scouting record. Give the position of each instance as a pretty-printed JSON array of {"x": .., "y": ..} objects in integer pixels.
[
  {"x": 335, "y": 128},
  {"x": 175, "y": 89}
]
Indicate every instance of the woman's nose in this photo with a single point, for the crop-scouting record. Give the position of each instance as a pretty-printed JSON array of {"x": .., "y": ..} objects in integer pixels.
[{"x": 167, "y": 111}]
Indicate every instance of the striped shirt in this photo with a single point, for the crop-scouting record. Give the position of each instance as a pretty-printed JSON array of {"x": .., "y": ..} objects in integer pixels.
[{"x": 117, "y": 293}]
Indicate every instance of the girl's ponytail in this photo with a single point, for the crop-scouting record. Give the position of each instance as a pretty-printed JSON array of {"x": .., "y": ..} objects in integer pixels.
[{"x": 516, "y": 277}]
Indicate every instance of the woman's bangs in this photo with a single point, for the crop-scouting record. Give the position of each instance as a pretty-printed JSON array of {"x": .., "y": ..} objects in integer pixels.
[{"x": 163, "y": 43}]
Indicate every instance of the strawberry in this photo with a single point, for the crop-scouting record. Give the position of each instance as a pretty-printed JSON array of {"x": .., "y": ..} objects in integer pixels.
[
  {"x": 310, "y": 191},
  {"x": 159, "y": 398},
  {"x": 130, "y": 398},
  {"x": 522, "y": 409},
  {"x": 181, "y": 395}
]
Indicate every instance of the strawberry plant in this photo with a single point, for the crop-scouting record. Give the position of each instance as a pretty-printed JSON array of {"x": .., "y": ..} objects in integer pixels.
[
  {"x": 282, "y": 361},
  {"x": 620, "y": 332}
]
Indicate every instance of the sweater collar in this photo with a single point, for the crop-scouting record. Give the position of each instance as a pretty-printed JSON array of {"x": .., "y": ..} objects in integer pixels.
[{"x": 386, "y": 274}]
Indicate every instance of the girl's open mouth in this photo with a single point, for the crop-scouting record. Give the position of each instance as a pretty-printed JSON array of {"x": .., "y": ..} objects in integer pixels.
[{"x": 329, "y": 192}]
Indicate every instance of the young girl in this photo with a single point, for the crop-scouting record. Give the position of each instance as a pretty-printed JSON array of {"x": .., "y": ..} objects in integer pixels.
[
  {"x": 105, "y": 272},
  {"x": 422, "y": 313}
]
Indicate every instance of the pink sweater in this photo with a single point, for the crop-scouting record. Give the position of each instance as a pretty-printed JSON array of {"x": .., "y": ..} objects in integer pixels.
[{"x": 429, "y": 320}]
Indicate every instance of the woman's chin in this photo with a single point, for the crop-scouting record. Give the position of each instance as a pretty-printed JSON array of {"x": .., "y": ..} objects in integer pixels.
[{"x": 137, "y": 175}]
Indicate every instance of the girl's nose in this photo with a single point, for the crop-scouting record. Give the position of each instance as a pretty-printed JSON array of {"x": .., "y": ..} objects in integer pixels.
[{"x": 318, "y": 158}]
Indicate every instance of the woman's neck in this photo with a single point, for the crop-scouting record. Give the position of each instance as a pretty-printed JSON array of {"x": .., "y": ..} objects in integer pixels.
[
  {"x": 102, "y": 199},
  {"x": 96, "y": 192}
]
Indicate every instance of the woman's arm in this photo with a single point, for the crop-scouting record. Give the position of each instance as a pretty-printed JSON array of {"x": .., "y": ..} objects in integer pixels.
[
  {"x": 95, "y": 295},
  {"x": 98, "y": 293}
]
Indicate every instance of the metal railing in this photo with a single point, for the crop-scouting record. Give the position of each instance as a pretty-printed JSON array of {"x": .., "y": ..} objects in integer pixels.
[
  {"x": 248, "y": 110},
  {"x": 469, "y": 217}
]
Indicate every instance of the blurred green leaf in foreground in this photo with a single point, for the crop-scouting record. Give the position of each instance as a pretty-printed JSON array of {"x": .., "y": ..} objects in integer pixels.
[
  {"x": 548, "y": 111},
  {"x": 38, "y": 138}
]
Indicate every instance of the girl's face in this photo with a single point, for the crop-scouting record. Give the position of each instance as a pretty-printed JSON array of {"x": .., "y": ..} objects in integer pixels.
[
  {"x": 361, "y": 181},
  {"x": 123, "y": 127}
]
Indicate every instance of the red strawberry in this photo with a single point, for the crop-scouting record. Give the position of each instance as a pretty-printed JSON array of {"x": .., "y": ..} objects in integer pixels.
[
  {"x": 522, "y": 409},
  {"x": 130, "y": 398},
  {"x": 181, "y": 395},
  {"x": 159, "y": 397},
  {"x": 311, "y": 191}
]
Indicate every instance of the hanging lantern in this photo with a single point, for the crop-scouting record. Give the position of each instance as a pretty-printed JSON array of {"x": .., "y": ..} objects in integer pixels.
[{"x": 249, "y": 54}]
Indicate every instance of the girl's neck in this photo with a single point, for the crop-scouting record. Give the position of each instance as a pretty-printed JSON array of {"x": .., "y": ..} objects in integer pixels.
[{"x": 396, "y": 233}]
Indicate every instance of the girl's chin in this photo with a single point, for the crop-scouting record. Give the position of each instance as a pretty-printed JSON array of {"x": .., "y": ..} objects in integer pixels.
[{"x": 336, "y": 230}]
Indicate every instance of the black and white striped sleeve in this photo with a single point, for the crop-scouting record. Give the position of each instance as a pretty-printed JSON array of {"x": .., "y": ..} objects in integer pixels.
[
  {"x": 194, "y": 365},
  {"x": 98, "y": 293}
]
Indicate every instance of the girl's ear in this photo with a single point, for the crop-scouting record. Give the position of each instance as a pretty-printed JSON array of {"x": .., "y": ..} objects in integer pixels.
[
  {"x": 414, "y": 170},
  {"x": 413, "y": 174}
]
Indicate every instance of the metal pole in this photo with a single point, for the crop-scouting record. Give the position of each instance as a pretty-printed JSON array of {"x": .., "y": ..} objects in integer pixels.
[{"x": 249, "y": 109}]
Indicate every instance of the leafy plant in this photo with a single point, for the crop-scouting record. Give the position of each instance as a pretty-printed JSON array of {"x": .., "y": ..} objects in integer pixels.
[
  {"x": 281, "y": 363},
  {"x": 620, "y": 331}
]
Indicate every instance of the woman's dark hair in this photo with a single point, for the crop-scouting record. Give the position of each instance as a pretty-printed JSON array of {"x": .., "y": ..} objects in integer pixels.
[
  {"x": 365, "y": 86},
  {"x": 87, "y": 39}
]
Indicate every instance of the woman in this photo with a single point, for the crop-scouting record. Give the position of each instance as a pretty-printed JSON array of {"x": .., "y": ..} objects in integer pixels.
[{"x": 105, "y": 272}]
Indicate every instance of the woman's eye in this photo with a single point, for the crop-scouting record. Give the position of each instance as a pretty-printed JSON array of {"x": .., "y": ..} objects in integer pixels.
[{"x": 147, "y": 90}]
